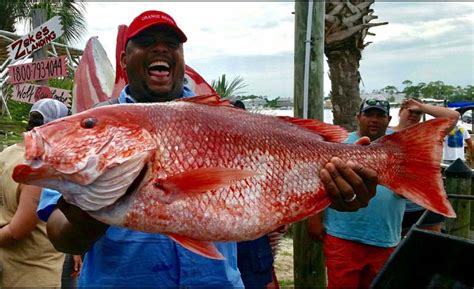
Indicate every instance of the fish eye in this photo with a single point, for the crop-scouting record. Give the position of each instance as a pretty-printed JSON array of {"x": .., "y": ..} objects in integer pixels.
[{"x": 88, "y": 122}]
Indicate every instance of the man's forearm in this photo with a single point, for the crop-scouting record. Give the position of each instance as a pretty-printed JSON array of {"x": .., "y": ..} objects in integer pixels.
[
  {"x": 6, "y": 236},
  {"x": 73, "y": 238}
]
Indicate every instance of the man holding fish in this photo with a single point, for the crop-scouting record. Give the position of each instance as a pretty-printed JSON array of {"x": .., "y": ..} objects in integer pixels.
[
  {"x": 120, "y": 257},
  {"x": 357, "y": 244}
]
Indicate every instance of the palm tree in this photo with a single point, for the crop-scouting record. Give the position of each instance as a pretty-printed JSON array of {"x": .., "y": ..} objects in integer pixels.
[
  {"x": 347, "y": 24},
  {"x": 10, "y": 13},
  {"x": 226, "y": 89},
  {"x": 71, "y": 12}
]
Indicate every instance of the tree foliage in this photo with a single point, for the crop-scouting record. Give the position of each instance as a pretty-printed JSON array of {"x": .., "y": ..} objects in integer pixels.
[
  {"x": 72, "y": 14},
  {"x": 433, "y": 89},
  {"x": 227, "y": 89},
  {"x": 273, "y": 103},
  {"x": 439, "y": 90}
]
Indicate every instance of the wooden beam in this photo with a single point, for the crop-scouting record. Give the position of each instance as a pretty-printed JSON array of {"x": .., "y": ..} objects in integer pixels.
[{"x": 309, "y": 268}]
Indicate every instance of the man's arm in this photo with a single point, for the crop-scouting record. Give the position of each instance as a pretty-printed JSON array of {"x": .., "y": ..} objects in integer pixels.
[
  {"x": 72, "y": 230},
  {"x": 24, "y": 221},
  {"x": 435, "y": 111}
]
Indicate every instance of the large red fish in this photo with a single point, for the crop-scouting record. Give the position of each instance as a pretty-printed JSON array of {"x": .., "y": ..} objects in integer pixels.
[{"x": 199, "y": 170}]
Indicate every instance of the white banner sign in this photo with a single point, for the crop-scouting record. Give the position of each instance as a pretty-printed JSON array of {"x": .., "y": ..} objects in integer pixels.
[
  {"x": 31, "y": 93},
  {"x": 36, "y": 39}
]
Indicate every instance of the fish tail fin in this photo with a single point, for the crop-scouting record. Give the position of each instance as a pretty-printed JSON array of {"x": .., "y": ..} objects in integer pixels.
[{"x": 415, "y": 160}]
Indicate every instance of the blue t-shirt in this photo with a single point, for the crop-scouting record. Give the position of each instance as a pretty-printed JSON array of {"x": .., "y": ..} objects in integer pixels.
[
  {"x": 126, "y": 258},
  {"x": 379, "y": 224}
]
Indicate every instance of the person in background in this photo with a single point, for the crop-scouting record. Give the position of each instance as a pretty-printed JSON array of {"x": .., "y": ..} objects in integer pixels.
[
  {"x": 357, "y": 244},
  {"x": 72, "y": 263},
  {"x": 410, "y": 113},
  {"x": 117, "y": 257},
  {"x": 27, "y": 257},
  {"x": 455, "y": 143},
  {"x": 71, "y": 271}
]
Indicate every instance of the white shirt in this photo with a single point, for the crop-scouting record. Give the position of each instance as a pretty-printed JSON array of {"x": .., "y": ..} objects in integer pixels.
[{"x": 454, "y": 143}]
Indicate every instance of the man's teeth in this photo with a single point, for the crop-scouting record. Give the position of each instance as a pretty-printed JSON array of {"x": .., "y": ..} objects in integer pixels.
[{"x": 159, "y": 64}]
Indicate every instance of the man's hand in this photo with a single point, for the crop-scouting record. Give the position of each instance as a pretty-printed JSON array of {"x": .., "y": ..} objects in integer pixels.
[
  {"x": 77, "y": 266},
  {"x": 350, "y": 186},
  {"x": 275, "y": 237},
  {"x": 73, "y": 231},
  {"x": 77, "y": 216},
  {"x": 412, "y": 104}
]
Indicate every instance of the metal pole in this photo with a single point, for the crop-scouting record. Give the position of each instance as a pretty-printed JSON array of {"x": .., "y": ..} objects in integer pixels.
[{"x": 309, "y": 25}]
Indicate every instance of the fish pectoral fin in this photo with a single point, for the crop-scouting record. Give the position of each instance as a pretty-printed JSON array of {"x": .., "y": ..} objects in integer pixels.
[
  {"x": 330, "y": 132},
  {"x": 201, "y": 180},
  {"x": 203, "y": 248}
]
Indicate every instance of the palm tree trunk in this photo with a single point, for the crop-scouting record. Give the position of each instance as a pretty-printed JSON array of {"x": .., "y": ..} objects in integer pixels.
[
  {"x": 347, "y": 24},
  {"x": 345, "y": 79}
]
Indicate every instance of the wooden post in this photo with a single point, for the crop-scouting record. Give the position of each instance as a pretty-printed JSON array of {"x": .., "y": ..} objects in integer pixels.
[
  {"x": 472, "y": 207},
  {"x": 39, "y": 17},
  {"x": 471, "y": 164},
  {"x": 458, "y": 181},
  {"x": 309, "y": 270}
]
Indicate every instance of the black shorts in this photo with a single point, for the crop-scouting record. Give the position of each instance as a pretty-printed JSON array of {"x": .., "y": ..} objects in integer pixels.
[{"x": 431, "y": 219}]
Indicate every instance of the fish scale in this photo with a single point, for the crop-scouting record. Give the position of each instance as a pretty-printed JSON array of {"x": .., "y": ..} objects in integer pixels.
[{"x": 200, "y": 170}]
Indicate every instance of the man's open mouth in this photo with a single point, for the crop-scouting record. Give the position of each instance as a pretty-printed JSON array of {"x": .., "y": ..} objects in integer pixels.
[{"x": 159, "y": 69}]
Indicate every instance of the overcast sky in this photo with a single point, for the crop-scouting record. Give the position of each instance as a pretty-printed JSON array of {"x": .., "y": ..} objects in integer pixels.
[{"x": 423, "y": 41}]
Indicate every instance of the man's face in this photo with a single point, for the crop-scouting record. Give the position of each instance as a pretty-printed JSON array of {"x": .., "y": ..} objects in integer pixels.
[
  {"x": 34, "y": 119},
  {"x": 373, "y": 123},
  {"x": 154, "y": 63}
]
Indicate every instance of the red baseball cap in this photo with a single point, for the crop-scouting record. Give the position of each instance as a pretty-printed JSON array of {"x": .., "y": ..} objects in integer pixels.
[{"x": 151, "y": 18}]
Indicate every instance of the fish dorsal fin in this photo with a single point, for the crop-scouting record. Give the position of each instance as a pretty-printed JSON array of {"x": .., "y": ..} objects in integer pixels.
[
  {"x": 210, "y": 99},
  {"x": 203, "y": 248},
  {"x": 330, "y": 132},
  {"x": 199, "y": 181}
]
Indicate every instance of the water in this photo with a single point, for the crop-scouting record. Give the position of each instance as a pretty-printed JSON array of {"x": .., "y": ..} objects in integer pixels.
[{"x": 328, "y": 117}]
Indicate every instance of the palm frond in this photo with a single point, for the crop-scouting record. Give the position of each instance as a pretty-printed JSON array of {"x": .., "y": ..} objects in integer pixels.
[
  {"x": 72, "y": 14},
  {"x": 226, "y": 89}
]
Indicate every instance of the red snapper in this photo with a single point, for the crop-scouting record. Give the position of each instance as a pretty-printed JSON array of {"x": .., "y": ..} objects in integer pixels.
[{"x": 199, "y": 170}]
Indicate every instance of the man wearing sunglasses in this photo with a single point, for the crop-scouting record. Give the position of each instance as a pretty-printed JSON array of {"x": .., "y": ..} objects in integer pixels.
[{"x": 357, "y": 244}]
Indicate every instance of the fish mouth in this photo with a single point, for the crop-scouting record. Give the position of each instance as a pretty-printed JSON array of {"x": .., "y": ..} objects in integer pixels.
[
  {"x": 26, "y": 174},
  {"x": 112, "y": 187}
]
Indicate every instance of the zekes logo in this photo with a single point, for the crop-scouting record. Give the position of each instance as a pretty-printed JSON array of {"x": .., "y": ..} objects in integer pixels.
[{"x": 37, "y": 39}]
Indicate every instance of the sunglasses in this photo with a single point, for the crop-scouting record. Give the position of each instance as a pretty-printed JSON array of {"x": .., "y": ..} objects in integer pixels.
[{"x": 377, "y": 102}]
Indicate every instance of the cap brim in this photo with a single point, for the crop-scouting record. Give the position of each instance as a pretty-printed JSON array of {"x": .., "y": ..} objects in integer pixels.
[{"x": 181, "y": 36}]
